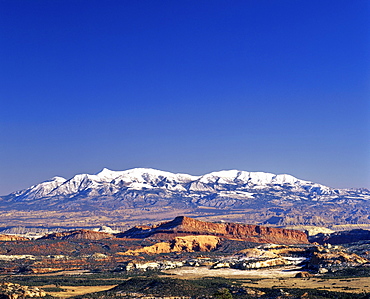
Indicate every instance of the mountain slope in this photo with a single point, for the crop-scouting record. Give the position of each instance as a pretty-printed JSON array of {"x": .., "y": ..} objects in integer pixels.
[
  {"x": 232, "y": 183},
  {"x": 280, "y": 198}
]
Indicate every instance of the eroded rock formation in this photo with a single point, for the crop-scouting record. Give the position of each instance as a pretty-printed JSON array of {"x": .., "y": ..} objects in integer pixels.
[
  {"x": 82, "y": 234},
  {"x": 180, "y": 244},
  {"x": 10, "y": 290},
  {"x": 182, "y": 226},
  {"x": 324, "y": 256},
  {"x": 12, "y": 238}
]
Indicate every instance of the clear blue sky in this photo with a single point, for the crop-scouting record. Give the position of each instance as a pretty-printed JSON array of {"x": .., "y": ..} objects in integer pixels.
[{"x": 185, "y": 86}]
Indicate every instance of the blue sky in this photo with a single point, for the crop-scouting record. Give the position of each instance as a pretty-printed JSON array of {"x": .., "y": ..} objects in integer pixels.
[{"x": 185, "y": 86}]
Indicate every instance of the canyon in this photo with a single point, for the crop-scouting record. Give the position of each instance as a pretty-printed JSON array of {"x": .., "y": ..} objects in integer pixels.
[
  {"x": 178, "y": 243},
  {"x": 184, "y": 249}
]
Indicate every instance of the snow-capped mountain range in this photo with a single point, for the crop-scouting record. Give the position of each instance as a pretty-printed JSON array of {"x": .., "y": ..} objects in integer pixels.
[
  {"x": 155, "y": 185},
  {"x": 142, "y": 193}
]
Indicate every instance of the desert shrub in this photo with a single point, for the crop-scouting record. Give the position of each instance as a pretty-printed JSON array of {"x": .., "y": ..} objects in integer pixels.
[
  {"x": 88, "y": 280},
  {"x": 223, "y": 293},
  {"x": 349, "y": 272},
  {"x": 53, "y": 289}
]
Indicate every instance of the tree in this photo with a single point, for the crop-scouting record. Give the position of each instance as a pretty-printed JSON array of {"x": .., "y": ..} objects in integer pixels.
[{"x": 223, "y": 294}]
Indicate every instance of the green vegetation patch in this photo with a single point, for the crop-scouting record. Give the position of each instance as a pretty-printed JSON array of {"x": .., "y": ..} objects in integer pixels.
[
  {"x": 73, "y": 280},
  {"x": 210, "y": 287},
  {"x": 163, "y": 286}
]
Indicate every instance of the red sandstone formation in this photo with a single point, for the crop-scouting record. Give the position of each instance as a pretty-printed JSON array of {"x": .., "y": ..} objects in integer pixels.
[
  {"x": 82, "y": 234},
  {"x": 179, "y": 244},
  {"x": 183, "y": 226}
]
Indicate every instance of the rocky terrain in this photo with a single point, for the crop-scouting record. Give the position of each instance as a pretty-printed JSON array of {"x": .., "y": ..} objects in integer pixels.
[
  {"x": 342, "y": 237},
  {"x": 181, "y": 226},
  {"x": 10, "y": 290},
  {"x": 172, "y": 244},
  {"x": 86, "y": 249},
  {"x": 139, "y": 196},
  {"x": 11, "y": 238},
  {"x": 146, "y": 261},
  {"x": 303, "y": 258},
  {"x": 82, "y": 234},
  {"x": 180, "y": 244}
]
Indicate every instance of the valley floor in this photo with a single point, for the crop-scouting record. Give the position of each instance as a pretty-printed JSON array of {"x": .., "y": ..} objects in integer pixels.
[
  {"x": 260, "y": 283},
  {"x": 282, "y": 277}
]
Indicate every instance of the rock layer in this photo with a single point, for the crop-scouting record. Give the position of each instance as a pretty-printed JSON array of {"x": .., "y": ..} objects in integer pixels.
[
  {"x": 182, "y": 226},
  {"x": 82, "y": 234},
  {"x": 180, "y": 244},
  {"x": 12, "y": 238}
]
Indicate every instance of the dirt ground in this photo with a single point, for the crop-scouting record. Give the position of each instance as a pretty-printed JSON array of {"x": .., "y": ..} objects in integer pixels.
[{"x": 77, "y": 290}]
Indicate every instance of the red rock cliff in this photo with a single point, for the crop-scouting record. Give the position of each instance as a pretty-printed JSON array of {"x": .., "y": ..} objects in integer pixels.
[{"x": 182, "y": 226}]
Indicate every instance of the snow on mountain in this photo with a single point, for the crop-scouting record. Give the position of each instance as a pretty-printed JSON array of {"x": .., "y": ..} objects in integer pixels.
[
  {"x": 40, "y": 190},
  {"x": 254, "y": 196},
  {"x": 108, "y": 182},
  {"x": 255, "y": 178}
]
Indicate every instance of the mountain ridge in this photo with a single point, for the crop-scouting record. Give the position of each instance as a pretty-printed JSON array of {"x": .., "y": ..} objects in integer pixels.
[
  {"x": 138, "y": 178},
  {"x": 256, "y": 197}
]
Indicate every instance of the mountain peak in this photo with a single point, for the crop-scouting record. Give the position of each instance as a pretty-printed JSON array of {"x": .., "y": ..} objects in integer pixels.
[
  {"x": 104, "y": 171},
  {"x": 56, "y": 179},
  {"x": 211, "y": 189},
  {"x": 272, "y": 196}
]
